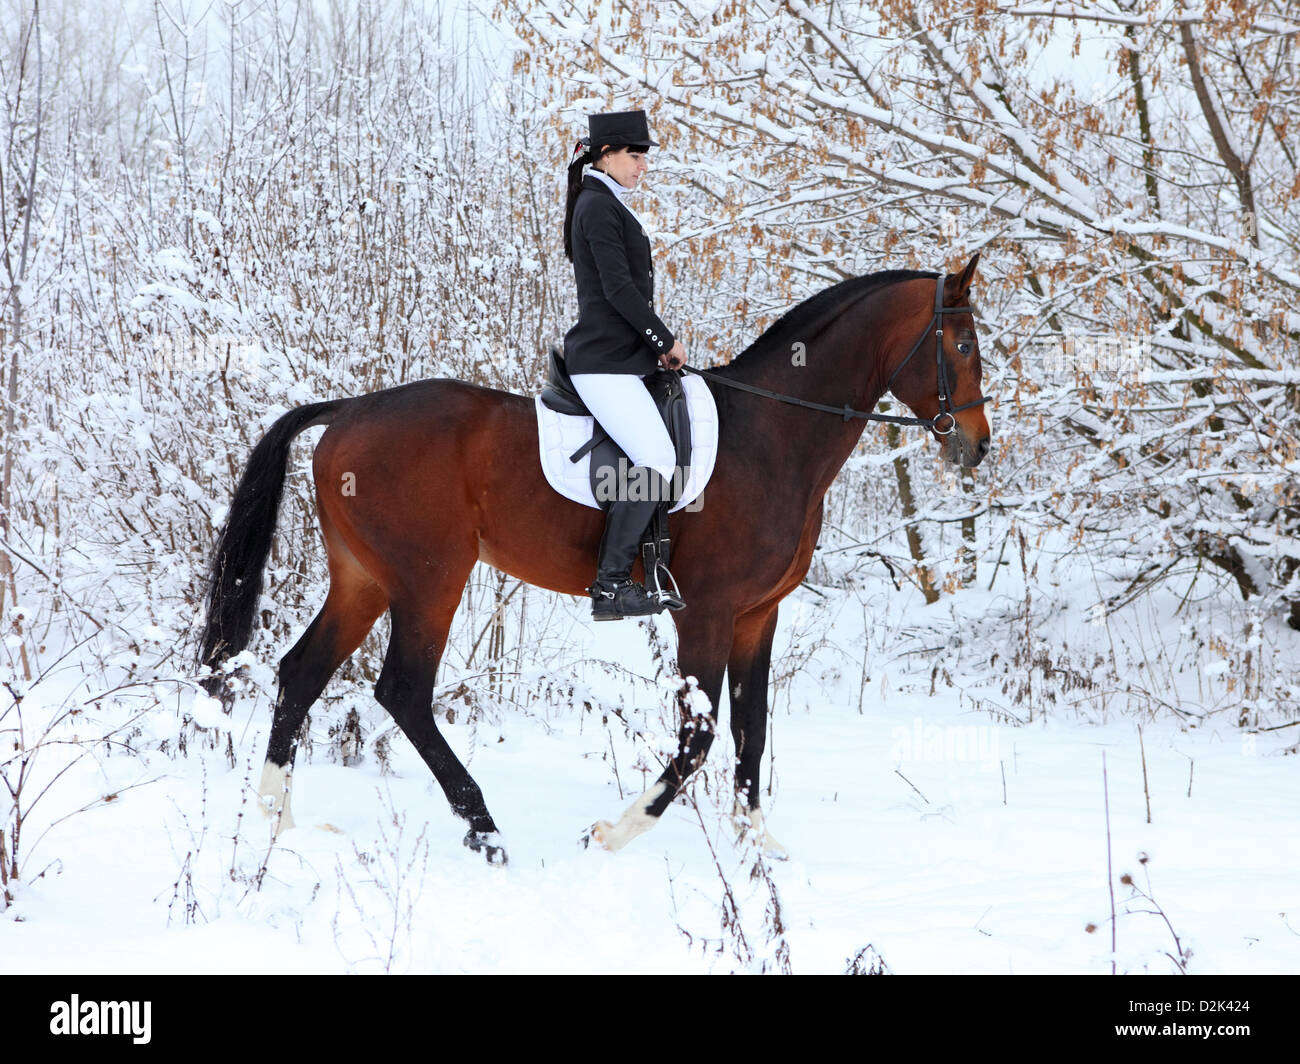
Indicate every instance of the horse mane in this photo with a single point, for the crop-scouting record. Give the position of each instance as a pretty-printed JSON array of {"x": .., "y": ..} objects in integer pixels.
[{"x": 804, "y": 320}]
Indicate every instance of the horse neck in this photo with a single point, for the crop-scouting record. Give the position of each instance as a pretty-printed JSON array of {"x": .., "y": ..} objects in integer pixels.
[{"x": 843, "y": 364}]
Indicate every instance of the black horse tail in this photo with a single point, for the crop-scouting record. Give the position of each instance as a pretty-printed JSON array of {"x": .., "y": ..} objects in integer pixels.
[{"x": 235, "y": 580}]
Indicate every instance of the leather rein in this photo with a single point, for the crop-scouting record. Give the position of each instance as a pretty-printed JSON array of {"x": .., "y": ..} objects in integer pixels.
[{"x": 946, "y": 409}]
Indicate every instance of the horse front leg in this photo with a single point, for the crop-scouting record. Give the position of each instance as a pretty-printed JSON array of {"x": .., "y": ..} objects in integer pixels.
[
  {"x": 748, "y": 672},
  {"x": 703, "y": 642}
]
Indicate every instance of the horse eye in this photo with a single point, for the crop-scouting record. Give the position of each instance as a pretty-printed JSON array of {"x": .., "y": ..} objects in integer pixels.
[{"x": 963, "y": 348}]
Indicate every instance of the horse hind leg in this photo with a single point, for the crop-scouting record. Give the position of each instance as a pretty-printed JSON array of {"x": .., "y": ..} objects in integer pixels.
[
  {"x": 405, "y": 689},
  {"x": 351, "y": 608}
]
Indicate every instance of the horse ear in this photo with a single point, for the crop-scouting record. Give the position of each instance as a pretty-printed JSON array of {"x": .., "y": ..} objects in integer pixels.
[{"x": 961, "y": 282}]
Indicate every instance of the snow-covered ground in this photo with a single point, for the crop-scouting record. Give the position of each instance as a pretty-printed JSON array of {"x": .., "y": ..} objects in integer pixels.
[{"x": 921, "y": 818}]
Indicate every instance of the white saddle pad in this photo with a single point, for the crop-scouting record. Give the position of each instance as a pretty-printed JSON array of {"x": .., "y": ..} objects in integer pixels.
[{"x": 559, "y": 435}]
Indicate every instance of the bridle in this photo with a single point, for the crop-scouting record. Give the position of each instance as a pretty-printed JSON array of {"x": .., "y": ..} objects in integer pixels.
[{"x": 946, "y": 409}]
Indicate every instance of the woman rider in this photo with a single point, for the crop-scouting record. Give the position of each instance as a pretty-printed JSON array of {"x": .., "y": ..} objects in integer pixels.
[{"x": 617, "y": 341}]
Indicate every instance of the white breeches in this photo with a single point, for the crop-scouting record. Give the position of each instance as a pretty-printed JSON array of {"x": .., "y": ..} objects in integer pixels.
[{"x": 622, "y": 406}]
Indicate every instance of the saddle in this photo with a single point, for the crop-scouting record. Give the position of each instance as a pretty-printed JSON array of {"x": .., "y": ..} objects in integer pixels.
[{"x": 609, "y": 462}]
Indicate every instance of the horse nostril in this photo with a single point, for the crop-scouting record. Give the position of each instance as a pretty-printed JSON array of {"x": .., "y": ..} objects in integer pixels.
[{"x": 982, "y": 448}]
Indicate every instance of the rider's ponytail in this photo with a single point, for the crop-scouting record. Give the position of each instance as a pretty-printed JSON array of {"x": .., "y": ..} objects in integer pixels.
[{"x": 581, "y": 156}]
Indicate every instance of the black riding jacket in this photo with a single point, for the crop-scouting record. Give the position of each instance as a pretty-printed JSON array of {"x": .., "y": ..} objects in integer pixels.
[{"x": 617, "y": 330}]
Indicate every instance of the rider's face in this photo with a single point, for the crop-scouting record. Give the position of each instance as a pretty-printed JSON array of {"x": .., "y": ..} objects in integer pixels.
[{"x": 625, "y": 165}]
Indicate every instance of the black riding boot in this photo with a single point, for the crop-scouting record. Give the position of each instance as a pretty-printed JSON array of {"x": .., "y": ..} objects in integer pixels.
[{"x": 615, "y": 595}]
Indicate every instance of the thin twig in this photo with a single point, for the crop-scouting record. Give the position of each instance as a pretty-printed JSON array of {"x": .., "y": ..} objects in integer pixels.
[
  {"x": 1146, "y": 790},
  {"x": 1110, "y": 875},
  {"x": 912, "y": 785}
]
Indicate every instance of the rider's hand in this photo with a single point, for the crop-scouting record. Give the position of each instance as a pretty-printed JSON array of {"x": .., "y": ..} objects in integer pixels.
[{"x": 674, "y": 359}]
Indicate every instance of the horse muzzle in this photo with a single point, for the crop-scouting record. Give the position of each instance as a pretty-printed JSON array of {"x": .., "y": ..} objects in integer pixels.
[{"x": 965, "y": 449}]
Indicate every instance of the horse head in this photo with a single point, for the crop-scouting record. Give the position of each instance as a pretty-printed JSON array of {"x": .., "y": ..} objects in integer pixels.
[{"x": 939, "y": 377}]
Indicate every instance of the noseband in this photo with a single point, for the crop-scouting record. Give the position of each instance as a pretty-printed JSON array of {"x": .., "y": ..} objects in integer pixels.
[{"x": 946, "y": 409}]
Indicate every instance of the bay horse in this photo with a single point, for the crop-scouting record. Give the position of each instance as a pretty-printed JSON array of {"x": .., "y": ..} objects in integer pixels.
[{"x": 416, "y": 483}]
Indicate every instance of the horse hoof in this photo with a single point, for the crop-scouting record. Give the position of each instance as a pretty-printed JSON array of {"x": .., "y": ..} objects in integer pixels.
[
  {"x": 751, "y": 830},
  {"x": 599, "y": 833},
  {"x": 488, "y": 843},
  {"x": 273, "y": 797},
  {"x": 281, "y": 820},
  {"x": 636, "y": 820}
]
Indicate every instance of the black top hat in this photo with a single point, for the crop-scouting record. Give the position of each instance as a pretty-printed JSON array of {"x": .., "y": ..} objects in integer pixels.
[{"x": 618, "y": 129}]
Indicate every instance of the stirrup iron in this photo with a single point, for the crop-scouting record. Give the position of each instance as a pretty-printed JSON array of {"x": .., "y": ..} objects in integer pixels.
[
  {"x": 669, "y": 599},
  {"x": 653, "y": 553}
]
